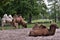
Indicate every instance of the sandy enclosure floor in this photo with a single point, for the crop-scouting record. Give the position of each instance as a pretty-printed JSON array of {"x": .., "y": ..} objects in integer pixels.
[{"x": 22, "y": 34}]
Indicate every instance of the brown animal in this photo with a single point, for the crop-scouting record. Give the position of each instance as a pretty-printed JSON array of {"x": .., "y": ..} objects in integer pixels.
[
  {"x": 19, "y": 20},
  {"x": 44, "y": 31}
]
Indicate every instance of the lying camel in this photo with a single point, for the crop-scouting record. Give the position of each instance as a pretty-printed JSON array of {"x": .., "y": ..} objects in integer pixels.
[{"x": 44, "y": 31}]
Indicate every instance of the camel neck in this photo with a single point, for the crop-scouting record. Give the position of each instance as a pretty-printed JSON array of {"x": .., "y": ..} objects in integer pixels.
[{"x": 52, "y": 31}]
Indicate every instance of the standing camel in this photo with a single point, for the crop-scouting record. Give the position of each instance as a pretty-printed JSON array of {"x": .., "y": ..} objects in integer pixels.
[
  {"x": 6, "y": 19},
  {"x": 19, "y": 21}
]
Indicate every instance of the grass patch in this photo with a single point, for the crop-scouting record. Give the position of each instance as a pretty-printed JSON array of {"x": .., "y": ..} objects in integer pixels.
[
  {"x": 31, "y": 25},
  {"x": 28, "y": 25}
]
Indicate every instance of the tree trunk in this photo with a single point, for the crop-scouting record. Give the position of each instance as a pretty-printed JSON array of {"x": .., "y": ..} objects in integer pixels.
[{"x": 30, "y": 18}]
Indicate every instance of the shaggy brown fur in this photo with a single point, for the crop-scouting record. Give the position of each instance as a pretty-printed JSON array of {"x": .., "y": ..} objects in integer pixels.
[
  {"x": 38, "y": 32},
  {"x": 44, "y": 31},
  {"x": 20, "y": 21}
]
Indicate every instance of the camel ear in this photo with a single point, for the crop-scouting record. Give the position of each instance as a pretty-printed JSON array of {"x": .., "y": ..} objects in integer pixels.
[{"x": 56, "y": 26}]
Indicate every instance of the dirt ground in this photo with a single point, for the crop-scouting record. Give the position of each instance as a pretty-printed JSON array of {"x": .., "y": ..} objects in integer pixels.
[{"x": 22, "y": 34}]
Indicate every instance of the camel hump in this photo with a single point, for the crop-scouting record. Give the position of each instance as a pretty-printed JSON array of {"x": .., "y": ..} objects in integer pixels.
[
  {"x": 36, "y": 26},
  {"x": 42, "y": 26}
]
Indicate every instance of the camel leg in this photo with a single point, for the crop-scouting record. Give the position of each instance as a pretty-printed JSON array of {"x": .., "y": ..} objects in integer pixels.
[
  {"x": 3, "y": 23},
  {"x": 15, "y": 25},
  {"x": 24, "y": 25}
]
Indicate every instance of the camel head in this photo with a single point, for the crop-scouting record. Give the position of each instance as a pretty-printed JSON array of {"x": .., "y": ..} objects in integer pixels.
[
  {"x": 52, "y": 29},
  {"x": 53, "y": 26}
]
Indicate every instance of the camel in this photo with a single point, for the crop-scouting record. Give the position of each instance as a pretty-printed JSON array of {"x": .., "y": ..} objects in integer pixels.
[
  {"x": 44, "y": 31},
  {"x": 6, "y": 19},
  {"x": 19, "y": 21},
  {"x": 13, "y": 21}
]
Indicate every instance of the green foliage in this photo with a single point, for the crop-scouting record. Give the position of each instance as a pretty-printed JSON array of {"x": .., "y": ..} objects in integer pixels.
[{"x": 23, "y": 7}]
